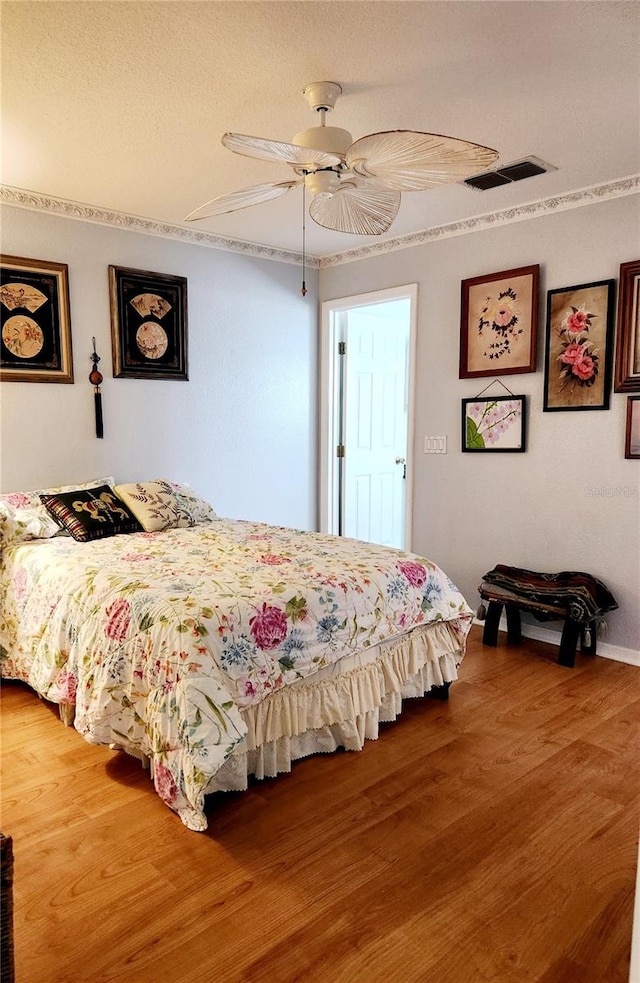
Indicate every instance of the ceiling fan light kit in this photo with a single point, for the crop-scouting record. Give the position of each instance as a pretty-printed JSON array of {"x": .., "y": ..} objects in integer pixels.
[{"x": 355, "y": 186}]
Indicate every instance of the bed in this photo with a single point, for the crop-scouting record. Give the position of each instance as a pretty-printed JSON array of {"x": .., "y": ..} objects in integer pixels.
[{"x": 216, "y": 649}]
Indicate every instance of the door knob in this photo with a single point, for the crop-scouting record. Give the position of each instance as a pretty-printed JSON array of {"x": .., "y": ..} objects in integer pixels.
[{"x": 400, "y": 460}]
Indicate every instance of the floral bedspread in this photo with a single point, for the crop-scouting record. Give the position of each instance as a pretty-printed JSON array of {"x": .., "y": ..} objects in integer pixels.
[{"x": 160, "y": 638}]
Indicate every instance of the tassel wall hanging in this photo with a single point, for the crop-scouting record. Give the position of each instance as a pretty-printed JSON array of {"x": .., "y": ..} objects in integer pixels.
[{"x": 95, "y": 378}]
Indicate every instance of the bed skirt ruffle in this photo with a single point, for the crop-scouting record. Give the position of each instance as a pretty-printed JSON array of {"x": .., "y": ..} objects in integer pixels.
[{"x": 339, "y": 711}]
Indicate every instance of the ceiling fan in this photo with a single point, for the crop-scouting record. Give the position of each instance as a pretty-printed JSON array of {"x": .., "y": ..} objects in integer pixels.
[{"x": 355, "y": 186}]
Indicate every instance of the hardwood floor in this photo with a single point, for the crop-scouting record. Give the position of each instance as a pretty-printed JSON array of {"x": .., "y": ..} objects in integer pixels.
[{"x": 490, "y": 838}]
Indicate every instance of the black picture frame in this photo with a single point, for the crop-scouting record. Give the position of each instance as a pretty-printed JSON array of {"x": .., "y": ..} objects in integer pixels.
[
  {"x": 579, "y": 347},
  {"x": 494, "y": 424},
  {"x": 35, "y": 328},
  {"x": 148, "y": 324}
]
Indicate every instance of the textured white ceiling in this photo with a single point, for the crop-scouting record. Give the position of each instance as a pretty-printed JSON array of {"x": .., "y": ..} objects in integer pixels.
[{"x": 121, "y": 105}]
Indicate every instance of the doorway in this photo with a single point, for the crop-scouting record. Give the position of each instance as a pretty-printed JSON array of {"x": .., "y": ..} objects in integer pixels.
[{"x": 367, "y": 356}]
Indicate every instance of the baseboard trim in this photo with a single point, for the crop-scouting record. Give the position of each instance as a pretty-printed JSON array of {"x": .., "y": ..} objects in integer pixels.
[{"x": 615, "y": 652}]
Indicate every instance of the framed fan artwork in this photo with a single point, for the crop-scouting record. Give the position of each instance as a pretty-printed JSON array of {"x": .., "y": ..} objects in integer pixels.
[
  {"x": 499, "y": 323},
  {"x": 148, "y": 324},
  {"x": 35, "y": 321}
]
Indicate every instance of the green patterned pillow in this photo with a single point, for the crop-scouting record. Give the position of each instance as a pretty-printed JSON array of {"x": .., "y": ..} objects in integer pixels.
[
  {"x": 91, "y": 513},
  {"x": 154, "y": 504},
  {"x": 198, "y": 508}
]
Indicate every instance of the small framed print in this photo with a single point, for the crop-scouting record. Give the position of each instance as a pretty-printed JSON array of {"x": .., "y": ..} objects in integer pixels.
[
  {"x": 632, "y": 436},
  {"x": 494, "y": 423},
  {"x": 579, "y": 347},
  {"x": 148, "y": 324},
  {"x": 35, "y": 321},
  {"x": 499, "y": 323}
]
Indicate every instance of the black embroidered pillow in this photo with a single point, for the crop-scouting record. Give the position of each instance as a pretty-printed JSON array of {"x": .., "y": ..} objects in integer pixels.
[{"x": 91, "y": 513}]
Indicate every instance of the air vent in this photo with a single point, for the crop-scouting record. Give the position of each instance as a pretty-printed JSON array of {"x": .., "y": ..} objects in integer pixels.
[
  {"x": 490, "y": 179},
  {"x": 524, "y": 168},
  {"x": 517, "y": 171}
]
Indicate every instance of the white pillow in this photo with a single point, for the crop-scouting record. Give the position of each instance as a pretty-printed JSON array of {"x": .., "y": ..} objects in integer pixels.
[
  {"x": 17, "y": 525},
  {"x": 30, "y": 514}
]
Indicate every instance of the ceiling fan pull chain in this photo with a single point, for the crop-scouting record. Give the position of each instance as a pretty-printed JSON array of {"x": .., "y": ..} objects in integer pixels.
[{"x": 304, "y": 236}]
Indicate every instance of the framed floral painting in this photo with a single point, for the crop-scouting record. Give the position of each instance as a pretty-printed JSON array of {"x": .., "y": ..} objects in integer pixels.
[
  {"x": 579, "y": 347},
  {"x": 35, "y": 321},
  {"x": 148, "y": 324},
  {"x": 494, "y": 423},
  {"x": 627, "y": 375},
  {"x": 499, "y": 323}
]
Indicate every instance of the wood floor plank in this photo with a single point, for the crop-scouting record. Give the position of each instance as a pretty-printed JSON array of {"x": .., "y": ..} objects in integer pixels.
[{"x": 491, "y": 838}]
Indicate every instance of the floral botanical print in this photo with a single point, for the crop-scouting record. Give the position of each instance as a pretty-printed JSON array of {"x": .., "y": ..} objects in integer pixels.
[
  {"x": 578, "y": 357},
  {"x": 579, "y": 346},
  {"x": 493, "y": 423},
  {"x": 162, "y": 638},
  {"x": 500, "y": 315}
]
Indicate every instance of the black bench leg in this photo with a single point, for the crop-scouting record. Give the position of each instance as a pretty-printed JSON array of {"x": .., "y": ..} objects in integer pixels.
[
  {"x": 440, "y": 692},
  {"x": 588, "y": 638},
  {"x": 492, "y": 622},
  {"x": 514, "y": 630},
  {"x": 568, "y": 643}
]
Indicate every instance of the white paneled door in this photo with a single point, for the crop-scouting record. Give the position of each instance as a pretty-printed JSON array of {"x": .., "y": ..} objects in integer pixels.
[{"x": 368, "y": 410}]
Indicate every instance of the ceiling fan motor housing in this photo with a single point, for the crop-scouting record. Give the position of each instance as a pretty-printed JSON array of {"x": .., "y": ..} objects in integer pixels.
[
  {"x": 322, "y": 95},
  {"x": 331, "y": 139},
  {"x": 325, "y": 182}
]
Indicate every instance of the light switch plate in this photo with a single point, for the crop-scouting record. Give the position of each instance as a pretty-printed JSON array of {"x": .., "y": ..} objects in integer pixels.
[{"x": 435, "y": 445}]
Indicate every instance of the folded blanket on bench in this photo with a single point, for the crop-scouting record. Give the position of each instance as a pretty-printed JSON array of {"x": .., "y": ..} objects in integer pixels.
[{"x": 585, "y": 596}]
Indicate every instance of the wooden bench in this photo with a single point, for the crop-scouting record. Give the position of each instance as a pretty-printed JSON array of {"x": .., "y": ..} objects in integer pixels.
[{"x": 572, "y": 632}]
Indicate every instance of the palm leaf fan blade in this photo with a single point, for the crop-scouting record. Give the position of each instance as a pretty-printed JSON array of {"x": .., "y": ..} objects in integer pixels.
[
  {"x": 274, "y": 150},
  {"x": 355, "y": 209},
  {"x": 241, "y": 199},
  {"x": 406, "y": 160}
]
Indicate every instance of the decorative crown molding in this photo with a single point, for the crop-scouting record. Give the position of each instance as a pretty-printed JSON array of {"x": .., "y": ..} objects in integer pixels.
[
  {"x": 545, "y": 206},
  {"x": 35, "y": 201},
  {"x": 134, "y": 223}
]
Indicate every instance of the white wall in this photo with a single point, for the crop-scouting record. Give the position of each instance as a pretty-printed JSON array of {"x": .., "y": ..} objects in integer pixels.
[
  {"x": 242, "y": 430},
  {"x": 571, "y": 501}
]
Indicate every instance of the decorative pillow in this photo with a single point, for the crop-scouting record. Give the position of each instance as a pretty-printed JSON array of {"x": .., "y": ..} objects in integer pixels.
[
  {"x": 31, "y": 513},
  {"x": 23, "y": 524},
  {"x": 198, "y": 508},
  {"x": 91, "y": 513},
  {"x": 163, "y": 504},
  {"x": 155, "y": 504},
  {"x": 17, "y": 525}
]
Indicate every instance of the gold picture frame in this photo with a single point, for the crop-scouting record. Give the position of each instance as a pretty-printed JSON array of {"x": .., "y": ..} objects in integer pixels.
[{"x": 35, "y": 328}]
